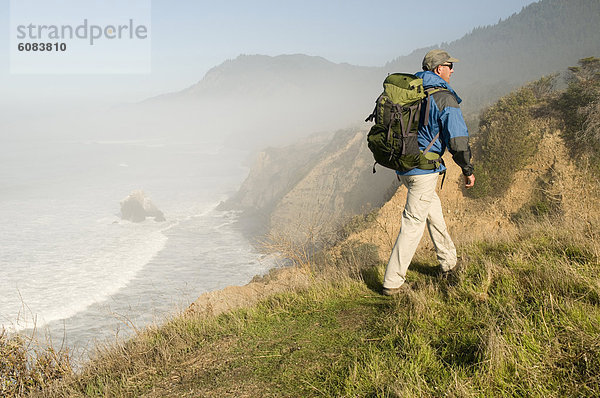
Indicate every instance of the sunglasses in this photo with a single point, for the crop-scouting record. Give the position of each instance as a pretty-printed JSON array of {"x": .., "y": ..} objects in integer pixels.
[{"x": 449, "y": 65}]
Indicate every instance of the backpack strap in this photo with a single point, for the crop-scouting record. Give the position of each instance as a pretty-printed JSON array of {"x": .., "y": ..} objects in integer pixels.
[
  {"x": 371, "y": 117},
  {"x": 373, "y": 114},
  {"x": 431, "y": 143},
  {"x": 430, "y": 92},
  {"x": 443, "y": 178}
]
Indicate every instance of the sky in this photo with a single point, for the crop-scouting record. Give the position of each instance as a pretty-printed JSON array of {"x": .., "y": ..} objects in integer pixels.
[{"x": 187, "y": 38}]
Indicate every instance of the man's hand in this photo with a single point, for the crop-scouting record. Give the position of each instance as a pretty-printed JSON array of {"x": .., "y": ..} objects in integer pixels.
[{"x": 469, "y": 181}]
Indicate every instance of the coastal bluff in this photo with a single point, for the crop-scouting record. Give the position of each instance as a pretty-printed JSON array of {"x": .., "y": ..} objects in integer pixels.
[{"x": 303, "y": 192}]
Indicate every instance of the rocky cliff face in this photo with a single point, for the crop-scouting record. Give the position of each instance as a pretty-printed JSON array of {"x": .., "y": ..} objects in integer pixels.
[
  {"x": 274, "y": 172},
  {"x": 303, "y": 192}
]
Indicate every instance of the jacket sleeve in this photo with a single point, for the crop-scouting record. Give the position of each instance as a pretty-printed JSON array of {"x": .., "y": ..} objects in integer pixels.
[{"x": 454, "y": 131}]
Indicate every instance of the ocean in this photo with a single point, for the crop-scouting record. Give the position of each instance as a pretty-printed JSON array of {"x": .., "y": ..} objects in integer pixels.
[{"x": 75, "y": 274}]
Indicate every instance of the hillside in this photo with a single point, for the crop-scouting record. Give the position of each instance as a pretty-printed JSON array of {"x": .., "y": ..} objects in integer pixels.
[
  {"x": 522, "y": 318},
  {"x": 256, "y": 100},
  {"x": 544, "y": 38},
  {"x": 536, "y": 159}
]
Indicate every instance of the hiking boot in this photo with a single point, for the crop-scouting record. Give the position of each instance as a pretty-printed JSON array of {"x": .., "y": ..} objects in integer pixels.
[
  {"x": 453, "y": 271},
  {"x": 396, "y": 290},
  {"x": 450, "y": 272},
  {"x": 452, "y": 275}
]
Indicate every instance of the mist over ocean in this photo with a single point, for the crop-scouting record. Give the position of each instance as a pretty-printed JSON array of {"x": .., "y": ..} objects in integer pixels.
[{"x": 69, "y": 265}]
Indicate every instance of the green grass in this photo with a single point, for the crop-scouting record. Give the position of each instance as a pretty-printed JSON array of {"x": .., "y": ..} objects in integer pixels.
[{"x": 522, "y": 319}]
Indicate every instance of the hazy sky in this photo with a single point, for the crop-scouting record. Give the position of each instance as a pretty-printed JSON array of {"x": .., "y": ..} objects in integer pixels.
[{"x": 189, "y": 37}]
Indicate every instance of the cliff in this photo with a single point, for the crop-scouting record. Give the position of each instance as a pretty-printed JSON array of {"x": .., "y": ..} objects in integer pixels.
[{"x": 303, "y": 192}]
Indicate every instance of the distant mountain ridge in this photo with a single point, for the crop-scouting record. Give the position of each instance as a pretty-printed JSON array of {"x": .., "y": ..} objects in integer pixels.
[
  {"x": 258, "y": 100},
  {"x": 263, "y": 74}
]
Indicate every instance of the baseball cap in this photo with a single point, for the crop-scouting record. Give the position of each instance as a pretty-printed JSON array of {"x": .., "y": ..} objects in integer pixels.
[{"x": 436, "y": 57}]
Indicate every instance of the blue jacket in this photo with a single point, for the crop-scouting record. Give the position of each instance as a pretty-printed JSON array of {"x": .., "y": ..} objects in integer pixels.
[{"x": 446, "y": 118}]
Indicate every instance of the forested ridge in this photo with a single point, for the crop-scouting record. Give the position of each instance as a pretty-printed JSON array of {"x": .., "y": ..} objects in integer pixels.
[{"x": 542, "y": 39}]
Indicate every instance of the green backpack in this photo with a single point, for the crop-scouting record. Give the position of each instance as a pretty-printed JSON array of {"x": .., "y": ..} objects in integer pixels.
[{"x": 393, "y": 138}]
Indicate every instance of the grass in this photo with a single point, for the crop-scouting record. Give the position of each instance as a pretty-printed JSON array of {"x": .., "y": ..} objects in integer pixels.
[
  {"x": 522, "y": 319},
  {"x": 26, "y": 365}
]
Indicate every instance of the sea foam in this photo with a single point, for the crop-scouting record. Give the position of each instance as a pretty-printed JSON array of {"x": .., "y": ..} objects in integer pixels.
[{"x": 73, "y": 277}]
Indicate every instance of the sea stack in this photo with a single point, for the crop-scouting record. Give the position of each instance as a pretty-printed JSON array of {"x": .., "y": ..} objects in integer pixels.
[{"x": 136, "y": 207}]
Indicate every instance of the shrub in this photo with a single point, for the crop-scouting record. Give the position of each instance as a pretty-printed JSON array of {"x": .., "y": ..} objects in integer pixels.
[
  {"x": 579, "y": 107},
  {"x": 507, "y": 137},
  {"x": 505, "y": 142}
]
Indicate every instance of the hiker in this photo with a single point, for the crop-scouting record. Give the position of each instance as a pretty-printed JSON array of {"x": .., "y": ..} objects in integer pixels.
[{"x": 423, "y": 205}]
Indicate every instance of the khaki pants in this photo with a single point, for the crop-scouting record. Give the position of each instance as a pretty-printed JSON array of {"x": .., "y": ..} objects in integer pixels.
[{"x": 422, "y": 207}]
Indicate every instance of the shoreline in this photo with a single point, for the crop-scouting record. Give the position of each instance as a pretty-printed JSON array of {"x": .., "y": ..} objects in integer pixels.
[{"x": 141, "y": 304}]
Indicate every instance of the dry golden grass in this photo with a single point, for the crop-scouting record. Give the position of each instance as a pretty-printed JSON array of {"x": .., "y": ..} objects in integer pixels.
[{"x": 26, "y": 365}]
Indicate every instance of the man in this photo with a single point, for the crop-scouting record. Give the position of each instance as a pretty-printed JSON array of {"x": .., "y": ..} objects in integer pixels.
[{"x": 423, "y": 206}]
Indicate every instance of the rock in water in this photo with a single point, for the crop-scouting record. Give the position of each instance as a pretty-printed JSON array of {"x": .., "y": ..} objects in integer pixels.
[{"x": 136, "y": 207}]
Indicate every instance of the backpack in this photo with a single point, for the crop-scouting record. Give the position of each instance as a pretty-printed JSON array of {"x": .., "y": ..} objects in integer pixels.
[{"x": 393, "y": 138}]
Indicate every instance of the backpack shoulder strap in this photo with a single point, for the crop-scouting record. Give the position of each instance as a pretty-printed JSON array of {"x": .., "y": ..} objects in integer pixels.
[{"x": 429, "y": 92}]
